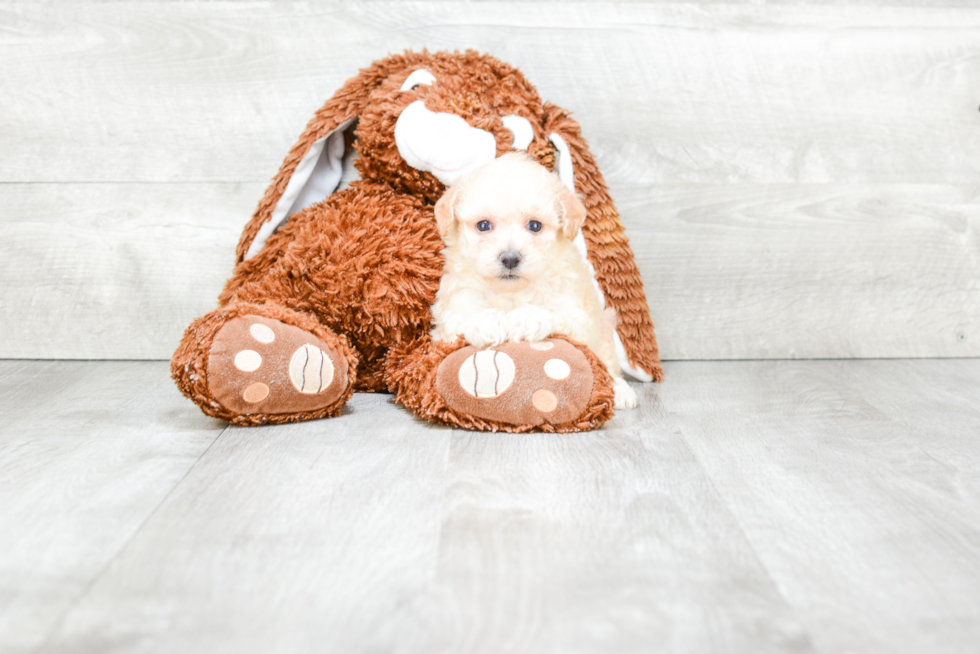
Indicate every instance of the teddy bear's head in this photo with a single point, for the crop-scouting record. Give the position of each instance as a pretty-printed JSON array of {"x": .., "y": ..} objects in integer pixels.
[
  {"x": 436, "y": 117},
  {"x": 416, "y": 121}
]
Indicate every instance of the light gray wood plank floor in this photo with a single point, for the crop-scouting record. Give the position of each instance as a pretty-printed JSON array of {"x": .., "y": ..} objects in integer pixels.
[{"x": 779, "y": 506}]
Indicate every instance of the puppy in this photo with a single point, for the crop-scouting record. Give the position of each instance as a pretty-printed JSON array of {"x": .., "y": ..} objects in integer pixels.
[{"x": 512, "y": 271}]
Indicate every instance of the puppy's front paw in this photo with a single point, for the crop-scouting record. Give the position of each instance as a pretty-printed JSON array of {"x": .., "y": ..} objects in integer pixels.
[
  {"x": 625, "y": 395},
  {"x": 530, "y": 324},
  {"x": 489, "y": 327}
]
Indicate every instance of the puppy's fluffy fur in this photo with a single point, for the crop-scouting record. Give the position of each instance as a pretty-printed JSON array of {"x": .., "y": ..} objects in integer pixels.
[{"x": 512, "y": 272}]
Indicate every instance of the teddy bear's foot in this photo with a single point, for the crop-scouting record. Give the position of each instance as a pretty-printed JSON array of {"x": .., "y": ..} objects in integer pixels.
[
  {"x": 258, "y": 365},
  {"x": 549, "y": 382}
]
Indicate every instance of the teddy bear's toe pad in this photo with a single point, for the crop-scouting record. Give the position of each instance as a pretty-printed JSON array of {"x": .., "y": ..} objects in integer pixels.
[
  {"x": 261, "y": 365},
  {"x": 517, "y": 383}
]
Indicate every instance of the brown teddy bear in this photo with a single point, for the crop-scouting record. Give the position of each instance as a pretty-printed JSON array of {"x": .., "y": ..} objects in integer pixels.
[{"x": 333, "y": 289}]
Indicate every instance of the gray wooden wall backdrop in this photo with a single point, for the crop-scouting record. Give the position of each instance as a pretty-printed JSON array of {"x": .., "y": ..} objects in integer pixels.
[{"x": 798, "y": 180}]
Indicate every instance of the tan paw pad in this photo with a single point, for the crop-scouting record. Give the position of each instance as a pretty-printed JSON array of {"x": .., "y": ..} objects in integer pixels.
[
  {"x": 248, "y": 360},
  {"x": 310, "y": 369},
  {"x": 544, "y": 400},
  {"x": 557, "y": 369},
  {"x": 255, "y": 393},
  {"x": 487, "y": 373},
  {"x": 262, "y": 333},
  {"x": 261, "y": 365},
  {"x": 518, "y": 383}
]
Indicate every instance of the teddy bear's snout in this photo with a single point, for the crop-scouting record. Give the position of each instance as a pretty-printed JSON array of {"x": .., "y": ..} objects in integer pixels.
[{"x": 441, "y": 143}]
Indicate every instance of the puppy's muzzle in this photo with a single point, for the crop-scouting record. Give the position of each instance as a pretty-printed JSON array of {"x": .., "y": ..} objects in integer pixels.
[{"x": 510, "y": 259}]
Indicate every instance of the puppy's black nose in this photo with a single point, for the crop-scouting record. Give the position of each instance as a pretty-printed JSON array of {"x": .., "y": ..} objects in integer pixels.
[{"x": 510, "y": 259}]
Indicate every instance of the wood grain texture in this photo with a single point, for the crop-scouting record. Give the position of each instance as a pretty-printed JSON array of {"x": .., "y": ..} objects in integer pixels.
[
  {"x": 731, "y": 271},
  {"x": 856, "y": 484},
  {"x": 787, "y": 506},
  {"x": 87, "y": 453},
  {"x": 809, "y": 271},
  {"x": 102, "y": 271},
  {"x": 699, "y": 93},
  {"x": 373, "y": 532},
  {"x": 940, "y": 4},
  {"x": 798, "y": 180}
]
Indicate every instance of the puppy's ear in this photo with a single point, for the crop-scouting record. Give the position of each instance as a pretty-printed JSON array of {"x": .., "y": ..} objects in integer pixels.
[
  {"x": 572, "y": 213},
  {"x": 446, "y": 211}
]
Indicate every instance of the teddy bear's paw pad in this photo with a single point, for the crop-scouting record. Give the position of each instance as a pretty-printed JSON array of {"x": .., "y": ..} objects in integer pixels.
[
  {"x": 517, "y": 383},
  {"x": 261, "y": 365},
  {"x": 486, "y": 373}
]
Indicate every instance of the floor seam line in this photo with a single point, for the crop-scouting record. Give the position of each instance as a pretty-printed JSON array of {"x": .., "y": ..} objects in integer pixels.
[
  {"x": 105, "y": 567},
  {"x": 808, "y": 631}
]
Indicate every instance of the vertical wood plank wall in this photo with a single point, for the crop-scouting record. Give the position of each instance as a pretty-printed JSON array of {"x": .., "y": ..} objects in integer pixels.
[{"x": 797, "y": 180}]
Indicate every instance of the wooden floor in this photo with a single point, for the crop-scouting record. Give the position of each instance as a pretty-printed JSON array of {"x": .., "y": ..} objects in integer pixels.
[{"x": 778, "y": 506}]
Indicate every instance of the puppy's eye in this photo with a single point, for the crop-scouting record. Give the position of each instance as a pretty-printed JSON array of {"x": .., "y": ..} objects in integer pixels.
[
  {"x": 534, "y": 226},
  {"x": 484, "y": 226}
]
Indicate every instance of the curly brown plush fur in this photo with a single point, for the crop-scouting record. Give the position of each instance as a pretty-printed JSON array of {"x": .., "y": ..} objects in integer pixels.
[{"x": 360, "y": 269}]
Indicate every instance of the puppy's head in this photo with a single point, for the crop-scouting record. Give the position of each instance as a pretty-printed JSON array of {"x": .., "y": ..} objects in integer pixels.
[{"x": 507, "y": 218}]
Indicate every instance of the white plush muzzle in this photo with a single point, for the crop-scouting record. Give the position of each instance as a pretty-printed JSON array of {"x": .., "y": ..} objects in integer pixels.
[{"x": 442, "y": 144}]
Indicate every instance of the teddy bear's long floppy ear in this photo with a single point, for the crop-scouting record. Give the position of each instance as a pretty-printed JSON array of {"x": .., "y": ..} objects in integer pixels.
[
  {"x": 603, "y": 242},
  {"x": 312, "y": 169}
]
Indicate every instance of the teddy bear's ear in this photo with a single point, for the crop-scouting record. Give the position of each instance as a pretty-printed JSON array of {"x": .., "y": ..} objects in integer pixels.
[
  {"x": 314, "y": 177},
  {"x": 313, "y": 168},
  {"x": 603, "y": 243}
]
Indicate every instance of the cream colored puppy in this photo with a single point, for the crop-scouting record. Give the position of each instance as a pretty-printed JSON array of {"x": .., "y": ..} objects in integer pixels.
[{"x": 512, "y": 272}]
